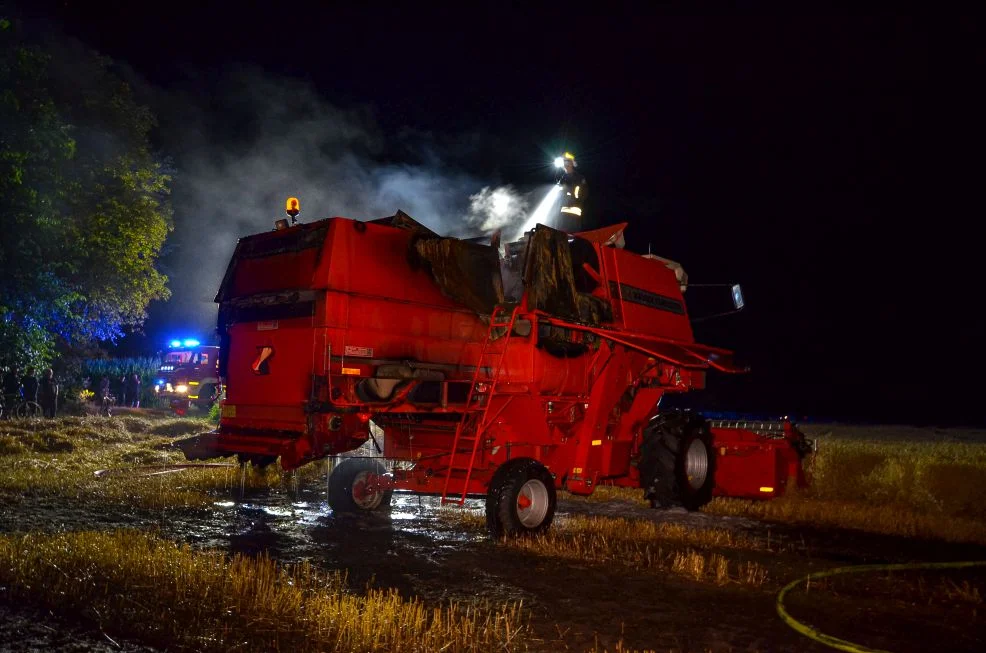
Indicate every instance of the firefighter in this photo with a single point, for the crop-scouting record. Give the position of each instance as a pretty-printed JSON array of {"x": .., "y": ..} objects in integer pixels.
[{"x": 572, "y": 184}]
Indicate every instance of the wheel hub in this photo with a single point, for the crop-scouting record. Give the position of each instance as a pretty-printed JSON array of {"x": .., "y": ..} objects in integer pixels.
[
  {"x": 532, "y": 503},
  {"x": 696, "y": 464},
  {"x": 363, "y": 496}
]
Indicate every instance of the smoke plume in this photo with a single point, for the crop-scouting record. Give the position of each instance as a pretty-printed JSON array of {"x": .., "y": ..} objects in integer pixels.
[{"x": 256, "y": 140}]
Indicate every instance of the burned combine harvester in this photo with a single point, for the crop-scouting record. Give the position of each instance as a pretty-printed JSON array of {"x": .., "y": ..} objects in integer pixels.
[{"x": 507, "y": 377}]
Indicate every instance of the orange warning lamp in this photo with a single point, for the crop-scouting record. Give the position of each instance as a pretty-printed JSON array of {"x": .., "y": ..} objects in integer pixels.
[{"x": 292, "y": 207}]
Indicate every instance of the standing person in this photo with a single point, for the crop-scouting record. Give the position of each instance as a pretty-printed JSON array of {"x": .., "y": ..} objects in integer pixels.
[
  {"x": 48, "y": 393},
  {"x": 12, "y": 386},
  {"x": 133, "y": 391},
  {"x": 121, "y": 395},
  {"x": 29, "y": 383},
  {"x": 573, "y": 185},
  {"x": 105, "y": 398}
]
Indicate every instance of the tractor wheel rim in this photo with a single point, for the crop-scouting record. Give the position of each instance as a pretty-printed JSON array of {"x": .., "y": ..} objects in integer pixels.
[
  {"x": 696, "y": 464},
  {"x": 532, "y": 503},
  {"x": 363, "y": 499}
]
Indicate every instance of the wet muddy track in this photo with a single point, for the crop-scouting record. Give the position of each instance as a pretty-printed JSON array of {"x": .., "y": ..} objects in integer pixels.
[{"x": 573, "y": 605}]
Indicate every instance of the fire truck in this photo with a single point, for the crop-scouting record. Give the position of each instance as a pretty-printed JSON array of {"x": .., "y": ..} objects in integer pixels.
[
  {"x": 474, "y": 370},
  {"x": 189, "y": 375}
]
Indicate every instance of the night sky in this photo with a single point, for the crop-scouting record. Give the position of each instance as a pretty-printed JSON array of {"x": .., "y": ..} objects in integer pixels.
[{"x": 792, "y": 154}]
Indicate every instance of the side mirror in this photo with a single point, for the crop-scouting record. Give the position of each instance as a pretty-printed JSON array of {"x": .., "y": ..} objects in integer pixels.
[
  {"x": 738, "y": 297},
  {"x": 735, "y": 290}
]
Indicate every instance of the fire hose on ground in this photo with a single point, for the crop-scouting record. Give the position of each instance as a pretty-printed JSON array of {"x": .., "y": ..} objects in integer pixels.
[{"x": 841, "y": 644}]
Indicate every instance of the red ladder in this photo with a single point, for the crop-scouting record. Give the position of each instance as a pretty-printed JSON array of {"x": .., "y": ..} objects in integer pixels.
[{"x": 469, "y": 432}]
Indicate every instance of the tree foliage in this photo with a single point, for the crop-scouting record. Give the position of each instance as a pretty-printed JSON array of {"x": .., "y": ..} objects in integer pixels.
[{"x": 84, "y": 202}]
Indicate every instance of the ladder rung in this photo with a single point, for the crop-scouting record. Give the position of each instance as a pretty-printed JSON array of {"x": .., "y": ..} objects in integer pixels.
[{"x": 467, "y": 441}]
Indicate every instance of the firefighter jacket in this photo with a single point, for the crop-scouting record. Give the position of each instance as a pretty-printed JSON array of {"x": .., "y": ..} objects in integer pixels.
[{"x": 573, "y": 192}]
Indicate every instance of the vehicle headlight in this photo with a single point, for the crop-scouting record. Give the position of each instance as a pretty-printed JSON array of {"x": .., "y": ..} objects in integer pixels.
[
  {"x": 157, "y": 388},
  {"x": 181, "y": 389},
  {"x": 168, "y": 388}
]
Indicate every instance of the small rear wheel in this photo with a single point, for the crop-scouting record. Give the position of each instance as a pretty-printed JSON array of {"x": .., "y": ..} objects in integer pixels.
[
  {"x": 350, "y": 490},
  {"x": 521, "y": 499}
]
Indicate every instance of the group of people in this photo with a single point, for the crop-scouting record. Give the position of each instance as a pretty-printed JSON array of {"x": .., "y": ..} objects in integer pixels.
[
  {"x": 129, "y": 391},
  {"x": 44, "y": 392},
  {"x": 19, "y": 388}
]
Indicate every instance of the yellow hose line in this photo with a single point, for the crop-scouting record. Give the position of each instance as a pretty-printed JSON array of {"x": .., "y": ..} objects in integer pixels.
[{"x": 842, "y": 644}]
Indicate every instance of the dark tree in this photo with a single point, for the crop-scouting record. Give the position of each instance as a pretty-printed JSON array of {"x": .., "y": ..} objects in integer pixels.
[{"x": 84, "y": 202}]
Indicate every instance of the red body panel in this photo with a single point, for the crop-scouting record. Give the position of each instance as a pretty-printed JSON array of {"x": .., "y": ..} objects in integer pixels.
[{"x": 753, "y": 465}]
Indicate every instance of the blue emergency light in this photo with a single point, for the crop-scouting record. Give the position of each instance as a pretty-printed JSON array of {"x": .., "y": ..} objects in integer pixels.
[{"x": 189, "y": 342}]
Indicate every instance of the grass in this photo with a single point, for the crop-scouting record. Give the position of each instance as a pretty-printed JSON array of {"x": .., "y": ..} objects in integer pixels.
[
  {"x": 944, "y": 477},
  {"x": 129, "y": 579},
  {"x": 124, "y": 581},
  {"x": 901, "y": 520},
  {"x": 606, "y": 493},
  {"x": 694, "y": 553},
  {"x": 697, "y": 553},
  {"x": 60, "y": 458}
]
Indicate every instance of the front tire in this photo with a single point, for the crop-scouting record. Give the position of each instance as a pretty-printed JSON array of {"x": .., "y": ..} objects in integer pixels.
[
  {"x": 677, "y": 461},
  {"x": 521, "y": 499},
  {"x": 346, "y": 493}
]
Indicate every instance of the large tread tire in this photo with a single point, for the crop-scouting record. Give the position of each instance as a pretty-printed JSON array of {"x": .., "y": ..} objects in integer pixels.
[
  {"x": 677, "y": 461},
  {"x": 521, "y": 499},
  {"x": 348, "y": 474}
]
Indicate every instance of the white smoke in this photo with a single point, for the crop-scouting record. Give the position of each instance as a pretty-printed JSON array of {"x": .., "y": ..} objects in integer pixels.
[
  {"x": 256, "y": 140},
  {"x": 492, "y": 209}
]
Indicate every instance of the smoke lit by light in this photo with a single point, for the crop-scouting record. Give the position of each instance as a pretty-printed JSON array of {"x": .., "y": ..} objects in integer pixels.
[
  {"x": 541, "y": 213},
  {"x": 496, "y": 208}
]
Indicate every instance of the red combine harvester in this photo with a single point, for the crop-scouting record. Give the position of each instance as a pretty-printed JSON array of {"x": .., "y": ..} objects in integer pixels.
[{"x": 501, "y": 376}]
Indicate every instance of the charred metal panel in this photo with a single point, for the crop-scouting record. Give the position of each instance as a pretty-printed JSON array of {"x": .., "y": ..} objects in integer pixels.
[
  {"x": 557, "y": 283},
  {"x": 468, "y": 273},
  {"x": 402, "y": 220},
  {"x": 549, "y": 276}
]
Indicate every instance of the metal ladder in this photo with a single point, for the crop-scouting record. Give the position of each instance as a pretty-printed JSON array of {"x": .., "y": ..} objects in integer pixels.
[{"x": 469, "y": 431}]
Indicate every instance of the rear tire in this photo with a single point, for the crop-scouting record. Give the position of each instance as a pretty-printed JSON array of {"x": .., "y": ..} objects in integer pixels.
[
  {"x": 677, "y": 461},
  {"x": 521, "y": 499},
  {"x": 347, "y": 477}
]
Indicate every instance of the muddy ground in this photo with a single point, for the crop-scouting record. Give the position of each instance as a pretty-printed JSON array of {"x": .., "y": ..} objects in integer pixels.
[{"x": 572, "y": 606}]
